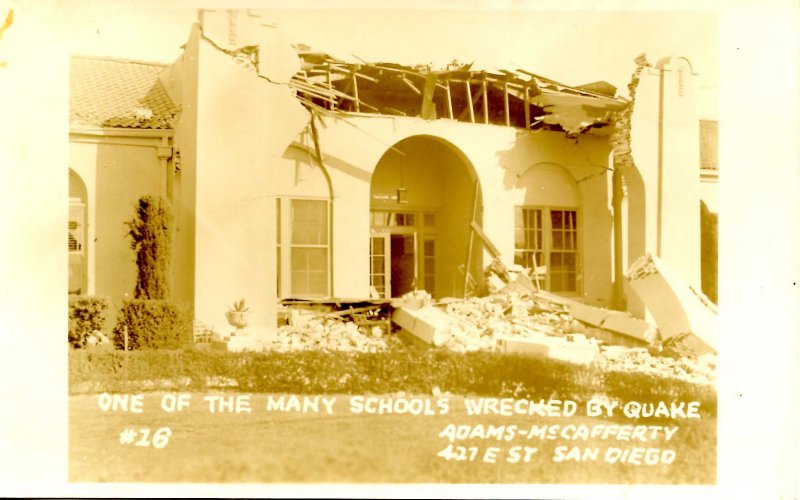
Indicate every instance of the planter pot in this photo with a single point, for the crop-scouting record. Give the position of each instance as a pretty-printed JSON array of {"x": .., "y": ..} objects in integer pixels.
[{"x": 237, "y": 319}]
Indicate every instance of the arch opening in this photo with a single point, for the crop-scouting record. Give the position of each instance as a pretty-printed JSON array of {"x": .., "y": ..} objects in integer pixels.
[
  {"x": 77, "y": 235},
  {"x": 424, "y": 195}
]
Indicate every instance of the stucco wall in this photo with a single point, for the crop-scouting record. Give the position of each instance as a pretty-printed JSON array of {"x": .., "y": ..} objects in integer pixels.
[
  {"x": 244, "y": 124},
  {"x": 664, "y": 131},
  {"x": 498, "y": 154},
  {"x": 181, "y": 82},
  {"x": 116, "y": 173}
]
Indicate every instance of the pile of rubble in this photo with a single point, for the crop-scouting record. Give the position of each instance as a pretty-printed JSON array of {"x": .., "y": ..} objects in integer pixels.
[
  {"x": 307, "y": 331},
  {"x": 699, "y": 370},
  {"x": 516, "y": 317}
]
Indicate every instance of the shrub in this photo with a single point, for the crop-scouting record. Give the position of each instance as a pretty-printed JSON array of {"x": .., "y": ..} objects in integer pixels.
[
  {"x": 153, "y": 324},
  {"x": 151, "y": 234},
  {"x": 86, "y": 315}
]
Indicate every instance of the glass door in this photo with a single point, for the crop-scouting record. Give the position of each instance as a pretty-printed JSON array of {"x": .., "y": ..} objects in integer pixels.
[{"x": 379, "y": 264}]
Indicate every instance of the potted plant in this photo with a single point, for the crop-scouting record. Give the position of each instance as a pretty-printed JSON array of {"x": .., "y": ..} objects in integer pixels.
[{"x": 236, "y": 315}]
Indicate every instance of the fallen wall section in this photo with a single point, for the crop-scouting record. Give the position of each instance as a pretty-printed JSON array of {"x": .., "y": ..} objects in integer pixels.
[{"x": 683, "y": 314}]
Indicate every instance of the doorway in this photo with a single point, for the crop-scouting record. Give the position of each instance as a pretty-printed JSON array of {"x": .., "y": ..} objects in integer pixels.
[
  {"x": 424, "y": 196},
  {"x": 403, "y": 263},
  {"x": 394, "y": 268}
]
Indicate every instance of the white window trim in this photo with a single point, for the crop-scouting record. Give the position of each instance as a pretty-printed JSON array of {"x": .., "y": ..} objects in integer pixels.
[
  {"x": 547, "y": 243},
  {"x": 286, "y": 245}
]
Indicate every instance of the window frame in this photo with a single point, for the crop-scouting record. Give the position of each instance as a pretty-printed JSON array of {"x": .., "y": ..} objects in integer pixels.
[
  {"x": 547, "y": 244},
  {"x": 285, "y": 246},
  {"x": 79, "y": 233}
]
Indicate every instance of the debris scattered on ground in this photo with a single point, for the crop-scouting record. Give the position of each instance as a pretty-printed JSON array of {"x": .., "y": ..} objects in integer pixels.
[
  {"x": 516, "y": 317},
  {"x": 309, "y": 331},
  {"x": 699, "y": 369}
]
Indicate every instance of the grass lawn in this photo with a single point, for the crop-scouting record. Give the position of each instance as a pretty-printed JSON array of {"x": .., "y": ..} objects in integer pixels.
[{"x": 345, "y": 447}]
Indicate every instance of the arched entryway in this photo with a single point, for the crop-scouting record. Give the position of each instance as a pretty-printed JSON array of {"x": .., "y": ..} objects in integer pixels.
[
  {"x": 77, "y": 235},
  {"x": 424, "y": 195}
]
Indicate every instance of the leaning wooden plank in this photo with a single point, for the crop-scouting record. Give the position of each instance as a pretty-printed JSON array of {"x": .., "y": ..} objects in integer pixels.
[
  {"x": 486, "y": 241},
  {"x": 485, "y": 94},
  {"x": 470, "y": 104},
  {"x": 449, "y": 101}
]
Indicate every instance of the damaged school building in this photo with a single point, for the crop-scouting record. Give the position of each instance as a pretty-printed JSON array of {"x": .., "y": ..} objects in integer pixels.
[{"x": 296, "y": 175}]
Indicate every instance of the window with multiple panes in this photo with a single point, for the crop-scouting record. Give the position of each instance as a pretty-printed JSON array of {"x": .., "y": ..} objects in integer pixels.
[
  {"x": 278, "y": 244},
  {"x": 302, "y": 247},
  {"x": 548, "y": 237},
  {"x": 420, "y": 223},
  {"x": 309, "y": 256},
  {"x": 377, "y": 264},
  {"x": 429, "y": 264},
  {"x": 75, "y": 228}
]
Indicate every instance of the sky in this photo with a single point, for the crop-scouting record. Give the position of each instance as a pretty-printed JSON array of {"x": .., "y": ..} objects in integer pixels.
[{"x": 573, "y": 47}]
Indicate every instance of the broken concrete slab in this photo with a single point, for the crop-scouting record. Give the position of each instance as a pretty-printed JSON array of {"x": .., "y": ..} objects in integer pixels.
[
  {"x": 624, "y": 323},
  {"x": 429, "y": 324},
  {"x": 576, "y": 350},
  {"x": 678, "y": 309},
  {"x": 588, "y": 314}
]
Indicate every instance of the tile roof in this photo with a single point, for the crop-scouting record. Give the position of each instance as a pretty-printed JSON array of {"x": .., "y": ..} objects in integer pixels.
[
  {"x": 709, "y": 133},
  {"x": 107, "y": 92}
]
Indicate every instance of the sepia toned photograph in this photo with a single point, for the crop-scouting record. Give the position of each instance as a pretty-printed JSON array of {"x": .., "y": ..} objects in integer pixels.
[
  {"x": 395, "y": 259},
  {"x": 380, "y": 245}
]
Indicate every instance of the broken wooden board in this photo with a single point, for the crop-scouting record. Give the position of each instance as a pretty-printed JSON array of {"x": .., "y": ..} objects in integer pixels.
[{"x": 677, "y": 308}]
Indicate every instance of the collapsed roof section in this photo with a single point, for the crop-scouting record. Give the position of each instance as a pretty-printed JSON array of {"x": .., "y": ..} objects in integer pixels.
[
  {"x": 511, "y": 98},
  {"x": 460, "y": 92}
]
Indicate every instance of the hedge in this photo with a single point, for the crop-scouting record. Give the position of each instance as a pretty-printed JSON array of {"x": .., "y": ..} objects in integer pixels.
[
  {"x": 153, "y": 324},
  {"x": 408, "y": 370},
  {"x": 87, "y": 314}
]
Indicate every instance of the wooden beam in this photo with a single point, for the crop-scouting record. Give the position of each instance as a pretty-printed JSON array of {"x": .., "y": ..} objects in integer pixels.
[
  {"x": 412, "y": 86},
  {"x": 469, "y": 103},
  {"x": 485, "y": 101},
  {"x": 355, "y": 92},
  {"x": 473, "y": 100},
  {"x": 486, "y": 241},
  {"x": 471, "y": 237},
  {"x": 505, "y": 104},
  {"x": 527, "y": 109},
  {"x": 330, "y": 85},
  {"x": 449, "y": 102},
  {"x": 365, "y": 77}
]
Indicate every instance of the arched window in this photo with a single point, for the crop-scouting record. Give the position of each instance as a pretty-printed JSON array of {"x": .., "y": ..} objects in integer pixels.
[
  {"x": 76, "y": 235},
  {"x": 546, "y": 227}
]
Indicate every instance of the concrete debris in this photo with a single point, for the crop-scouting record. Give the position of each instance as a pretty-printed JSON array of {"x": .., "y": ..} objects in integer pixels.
[
  {"x": 572, "y": 348},
  {"x": 508, "y": 321},
  {"x": 615, "y": 321},
  {"x": 684, "y": 316},
  {"x": 306, "y": 331},
  {"x": 508, "y": 279},
  {"x": 698, "y": 370}
]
